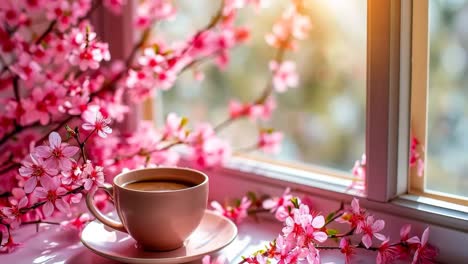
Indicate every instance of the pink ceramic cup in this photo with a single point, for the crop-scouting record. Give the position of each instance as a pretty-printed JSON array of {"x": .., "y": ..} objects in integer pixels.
[{"x": 157, "y": 220}]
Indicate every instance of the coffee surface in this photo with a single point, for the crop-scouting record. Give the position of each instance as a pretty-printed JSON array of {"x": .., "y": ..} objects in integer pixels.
[{"x": 157, "y": 185}]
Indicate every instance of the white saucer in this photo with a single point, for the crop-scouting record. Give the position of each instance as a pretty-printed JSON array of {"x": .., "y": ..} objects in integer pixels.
[{"x": 214, "y": 233}]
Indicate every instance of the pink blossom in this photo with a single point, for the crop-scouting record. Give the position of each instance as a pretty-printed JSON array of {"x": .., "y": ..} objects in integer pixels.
[
  {"x": 274, "y": 203},
  {"x": 425, "y": 253},
  {"x": 115, "y": 6},
  {"x": 235, "y": 213},
  {"x": 14, "y": 211},
  {"x": 151, "y": 10},
  {"x": 93, "y": 176},
  {"x": 152, "y": 60},
  {"x": 89, "y": 53},
  {"x": 77, "y": 223},
  {"x": 313, "y": 255},
  {"x": 356, "y": 216},
  {"x": 9, "y": 246},
  {"x": 175, "y": 128},
  {"x": 313, "y": 231},
  {"x": 370, "y": 229},
  {"x": 387, "y": 253},
  {"x": 346, "y": 249},
  {"x": 43, "y": 104},
  {"x": 359, "y": 173},
  {"x": 73, "y": 176},
  {"x": 57, "y": 154},
  {"x": 35, "y": 170},
  {"x": 52, "y": 192},
  {"x": 416, "y": 158},
  {"x": 95, "y": 121},
  {"x": 206, "y": 149},
  {"x": 270, "y": 141},
  {"x": 292, "y": 25},
  {"x": 26, "y": 67},
  {"x": 284, "y": 75},
  {"x": 220, "y": 260},
  {"x": 253, "y": 111},
  {"x": 404, "y": 235},
  {"x": 296, "y": 224}
]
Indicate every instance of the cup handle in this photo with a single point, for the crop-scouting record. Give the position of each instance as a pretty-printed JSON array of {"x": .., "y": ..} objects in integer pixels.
[{"x": 101, "y": 217}]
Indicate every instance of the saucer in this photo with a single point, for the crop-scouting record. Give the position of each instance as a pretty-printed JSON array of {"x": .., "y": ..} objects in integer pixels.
[{"x": 214, "y": 233}]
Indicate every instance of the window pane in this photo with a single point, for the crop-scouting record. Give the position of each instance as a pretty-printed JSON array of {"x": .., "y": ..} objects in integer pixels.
[
  {"x": 447, "y": 150},
  {"x": 323, "y": 119}
]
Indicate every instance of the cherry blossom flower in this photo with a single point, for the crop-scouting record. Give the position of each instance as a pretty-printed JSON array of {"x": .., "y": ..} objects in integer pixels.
[
  {"x": 313, "y": 230},
  {"x": 370, "y": 229},
  {"x": 359, "y": 173},
  {"x": 175, "y": 127},
  {"x": 95, "y": 121},
  {"x": 284, "y": 75},
  {"x": 273, "y": 204},
  {"x": 237, "y": 213},
  {"x": 207, "y": 150},
  {"x": 57, "y": 154},
  {"x": 93, "y": 176},
  {"x": 73, "y": 176},
  {"x": 26, "y": 67},
  {"x": 346, "y": 249},
  {"x": 387, "y": 253},
  {"x": 89, "y": 52},
  {"x": 270, "y": 141},
  {"x": 35, "y": 170},
  {"x": 152, "y": 60},
  {"x": 425, "y": 253},
  {"x": 9, "y": 246},
  {"x": 356, "y": 216},
  {"x": 220, "y": 260},
  {"x": 14, "y": 211},
  {"x": 43, "y": 104},
  {"x": 296, "y": 224},
  {"x": 52, "y": 192},
  {"x": 415, "y": 157}
]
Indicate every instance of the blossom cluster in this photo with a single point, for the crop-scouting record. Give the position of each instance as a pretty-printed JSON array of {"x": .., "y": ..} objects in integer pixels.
[
  {"x": 305, "y": 233},
  {"x": 63, "y": 97}
]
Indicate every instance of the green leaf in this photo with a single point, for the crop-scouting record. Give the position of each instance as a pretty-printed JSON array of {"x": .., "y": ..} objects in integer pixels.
[
  {"x": 295, "y": 202},
  {"x": 332, "y": 232},
  {"x": 329, "y": 217}
]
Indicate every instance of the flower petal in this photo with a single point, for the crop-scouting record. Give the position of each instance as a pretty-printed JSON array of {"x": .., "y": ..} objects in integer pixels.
[
  {"x": 425, "y": 236},
  {"x": 43, "y": 151},
  {"x": 30, "y": 184},
  {"x": 55, "y": 140},
  {"x": 320, "y": 236},
  {"x": 63, "y": 206},
  {"x": 69, "y": 151},
  {"x": 380, "y": 236},
  {"x": 48, "y": 208},
  {"x": 367, "y": 241},
  {"x": 318, "y": 221},
  {"x": 378, "y": 225},
  {"x": 40, "y": 192}
]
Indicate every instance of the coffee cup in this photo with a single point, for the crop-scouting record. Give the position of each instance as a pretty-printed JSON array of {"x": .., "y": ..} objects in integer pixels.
[{"x": 158, "y": 207}]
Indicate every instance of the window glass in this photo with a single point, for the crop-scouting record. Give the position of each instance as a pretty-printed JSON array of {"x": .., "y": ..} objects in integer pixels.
[
  {"x": 323, "y": 119},
  {"x": 447, "y": 150}
]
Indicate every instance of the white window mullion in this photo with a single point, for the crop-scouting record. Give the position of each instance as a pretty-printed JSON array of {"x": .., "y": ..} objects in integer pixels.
[{"x": 383, "y": 52}]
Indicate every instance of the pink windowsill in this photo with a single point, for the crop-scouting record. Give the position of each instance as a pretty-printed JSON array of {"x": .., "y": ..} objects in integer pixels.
[{"x": 53, "y": 245}]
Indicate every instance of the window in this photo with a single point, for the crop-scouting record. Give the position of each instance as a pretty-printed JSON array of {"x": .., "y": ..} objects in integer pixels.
[
  {"x": 323, "y": 119},
  {"x": 439, "y": 116}
]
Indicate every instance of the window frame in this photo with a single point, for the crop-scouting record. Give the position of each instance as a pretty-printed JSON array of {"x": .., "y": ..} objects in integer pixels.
[
  {"x": 419, "y": 99},
  {"x": 392, "y": 70}
]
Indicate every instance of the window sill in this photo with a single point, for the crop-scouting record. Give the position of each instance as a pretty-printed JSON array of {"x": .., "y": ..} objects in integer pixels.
[{"x": 318, "y": 184}]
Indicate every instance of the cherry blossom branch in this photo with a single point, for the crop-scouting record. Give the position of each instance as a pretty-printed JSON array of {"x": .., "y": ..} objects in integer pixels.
[{"x": 46, "y": 32}]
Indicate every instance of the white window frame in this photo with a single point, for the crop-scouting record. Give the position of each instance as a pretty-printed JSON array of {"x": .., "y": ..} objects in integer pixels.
[{"x": 391, "y": 68}]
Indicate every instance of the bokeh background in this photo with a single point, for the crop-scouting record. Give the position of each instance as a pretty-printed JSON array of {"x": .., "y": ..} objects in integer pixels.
[{"x": 324, "y": 118}]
